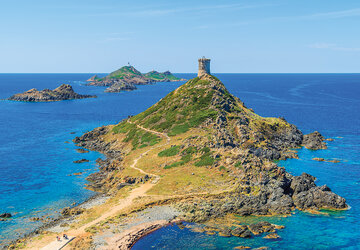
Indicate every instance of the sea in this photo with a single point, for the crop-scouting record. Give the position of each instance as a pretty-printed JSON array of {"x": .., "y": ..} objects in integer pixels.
[{"x": 36, "y": 152}]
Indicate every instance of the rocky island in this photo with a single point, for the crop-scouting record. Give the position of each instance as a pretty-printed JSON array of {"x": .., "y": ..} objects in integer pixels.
[
  {"x": 63, "y": 92},
  {"x": 198, "y": 155},
  {"x": 126, "y": 77}
]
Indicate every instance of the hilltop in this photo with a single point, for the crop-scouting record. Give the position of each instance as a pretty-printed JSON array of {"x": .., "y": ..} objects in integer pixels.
[
  {"x": 128, "y": 76},
  {"x": 216, "y": 145},
  {"x": 63, "y": 92}
]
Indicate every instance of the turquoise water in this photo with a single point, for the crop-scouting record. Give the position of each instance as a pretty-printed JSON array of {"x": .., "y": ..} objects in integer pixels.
[
  {"x": 36, "y": 161},
  {"x": 325, "y": 102}
]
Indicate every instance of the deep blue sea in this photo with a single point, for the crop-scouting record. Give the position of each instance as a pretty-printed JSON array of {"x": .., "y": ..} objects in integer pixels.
[{"x": 36, "y": 161}]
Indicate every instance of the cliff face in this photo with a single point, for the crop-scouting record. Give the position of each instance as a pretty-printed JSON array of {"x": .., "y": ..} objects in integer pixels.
[
  {"x": 217, "y": 146},
  {"x": 63, "y": 92}
]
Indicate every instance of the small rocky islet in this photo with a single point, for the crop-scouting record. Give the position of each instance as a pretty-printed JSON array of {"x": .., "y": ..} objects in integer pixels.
[
  {"x": 63, "y": 92},
  {"x": 125, "y": 79},
  {"x": 219, "y": 159}
]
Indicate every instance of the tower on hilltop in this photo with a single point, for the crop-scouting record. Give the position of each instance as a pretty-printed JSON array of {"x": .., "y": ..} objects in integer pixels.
[{"x": 204, "y": 66}]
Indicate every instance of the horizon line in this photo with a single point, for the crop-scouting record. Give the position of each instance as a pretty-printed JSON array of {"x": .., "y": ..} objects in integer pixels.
[{"x": 187, "y": 73}]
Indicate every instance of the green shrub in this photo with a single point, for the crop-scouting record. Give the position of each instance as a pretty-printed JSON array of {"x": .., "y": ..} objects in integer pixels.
[
  {"x": 190, "y": 150},
  {"x": 185, "y": 159},
  {"x": 173, "y": 165},
  {"x": 222, "y": 168},
  {"x": 238, "y": 164},
  {"x": 205, "y": 160},
  {"x": 169, "y": 152},
  {"x": 205, "y": 150}
]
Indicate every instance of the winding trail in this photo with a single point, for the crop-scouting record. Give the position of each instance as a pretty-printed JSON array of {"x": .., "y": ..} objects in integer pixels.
[{"x": 135, "y": 193}]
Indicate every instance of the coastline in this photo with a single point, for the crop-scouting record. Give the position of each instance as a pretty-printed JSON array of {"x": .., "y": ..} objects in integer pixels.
[
  {"x": 92, "y": 201},
  {"x": 128, "y": 238},
  {"x": 146, "y": 224}
]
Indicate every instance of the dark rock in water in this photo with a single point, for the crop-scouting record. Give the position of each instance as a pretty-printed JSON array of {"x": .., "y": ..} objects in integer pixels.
[
  {"x": 314, "y": 141},
  {"x": 119, "y": 86},
  {"x": 81, "y": 161},
  {"x": 261, "y": 227},
  {"x": 72, "y": 133},
  {"x": 63, "y": 92},
  {"x": 242, "y": 232},
  {"x": 325, "y": 160},
  {"x": 82, "y": 151},
  {"x": 319, "y": 197},
  {"x": 272, "y": 236},
  {"x": 226, "y": 232},
  {"x": 5, "y": 215}
]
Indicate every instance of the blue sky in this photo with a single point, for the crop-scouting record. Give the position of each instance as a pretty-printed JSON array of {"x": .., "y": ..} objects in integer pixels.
[{"x": 254, "y": 36}]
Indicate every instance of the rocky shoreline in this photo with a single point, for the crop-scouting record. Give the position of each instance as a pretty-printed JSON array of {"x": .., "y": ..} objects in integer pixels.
[
  {"x": 56, "y": 225},
  {"x": 63, "y": 92}
]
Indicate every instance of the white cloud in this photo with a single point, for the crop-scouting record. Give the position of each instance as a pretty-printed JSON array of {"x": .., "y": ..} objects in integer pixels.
[
  {"x": 160, "y": 12},
  {"x": 332, "y": 46},
  {"x": 336, "y": 14}
]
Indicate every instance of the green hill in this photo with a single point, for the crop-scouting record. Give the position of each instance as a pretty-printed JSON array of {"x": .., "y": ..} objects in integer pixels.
[
  {"x": 204, "y": 143},
  {"x": 162, "y": 77}
]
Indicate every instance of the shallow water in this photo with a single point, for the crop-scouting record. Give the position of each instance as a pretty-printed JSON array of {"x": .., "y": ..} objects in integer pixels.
[{"x": 36, "y": 161}]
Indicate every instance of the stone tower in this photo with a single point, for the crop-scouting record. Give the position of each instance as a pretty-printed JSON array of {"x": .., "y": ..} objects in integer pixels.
[{"x": 204, "y": 66}]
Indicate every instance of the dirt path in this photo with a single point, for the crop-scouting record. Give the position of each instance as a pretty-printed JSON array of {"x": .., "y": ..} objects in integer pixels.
[{"x": 135, "y": 193}]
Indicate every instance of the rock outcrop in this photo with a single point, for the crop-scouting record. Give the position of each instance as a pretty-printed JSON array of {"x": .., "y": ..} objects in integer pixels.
[
  {"x": 93, "y": 78},
  {"x": 63, "y": 92},
  {"x": 119, "y": 86},
  {"x": 314, "y": 141}
]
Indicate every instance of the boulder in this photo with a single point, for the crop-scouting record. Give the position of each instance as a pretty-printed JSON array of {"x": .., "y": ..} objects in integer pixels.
[
  {"x": 5, "y": 215},
  {"x": 314, "y": 141}
]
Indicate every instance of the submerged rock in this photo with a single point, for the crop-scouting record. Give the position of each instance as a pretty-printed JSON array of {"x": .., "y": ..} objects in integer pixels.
[
  {"x": 63, "y": 92},
  {"x": 81, "y": 161},
  {"x": 272, "y": 236},
  {"x": 82, "y": 151}
]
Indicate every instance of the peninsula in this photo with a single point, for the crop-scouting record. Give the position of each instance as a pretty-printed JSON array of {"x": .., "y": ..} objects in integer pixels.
[
  {"x": 126, "y": 77},
  {"x": 63, "y": 92},
  {"x": 198, "y": 155}
]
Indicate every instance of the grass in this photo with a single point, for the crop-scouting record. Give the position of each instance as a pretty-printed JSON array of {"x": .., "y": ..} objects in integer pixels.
[
  {"x": 180, "y": 110},
  {"x": 135, "y": 135},
  {"x": 179, "y": 129}
]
